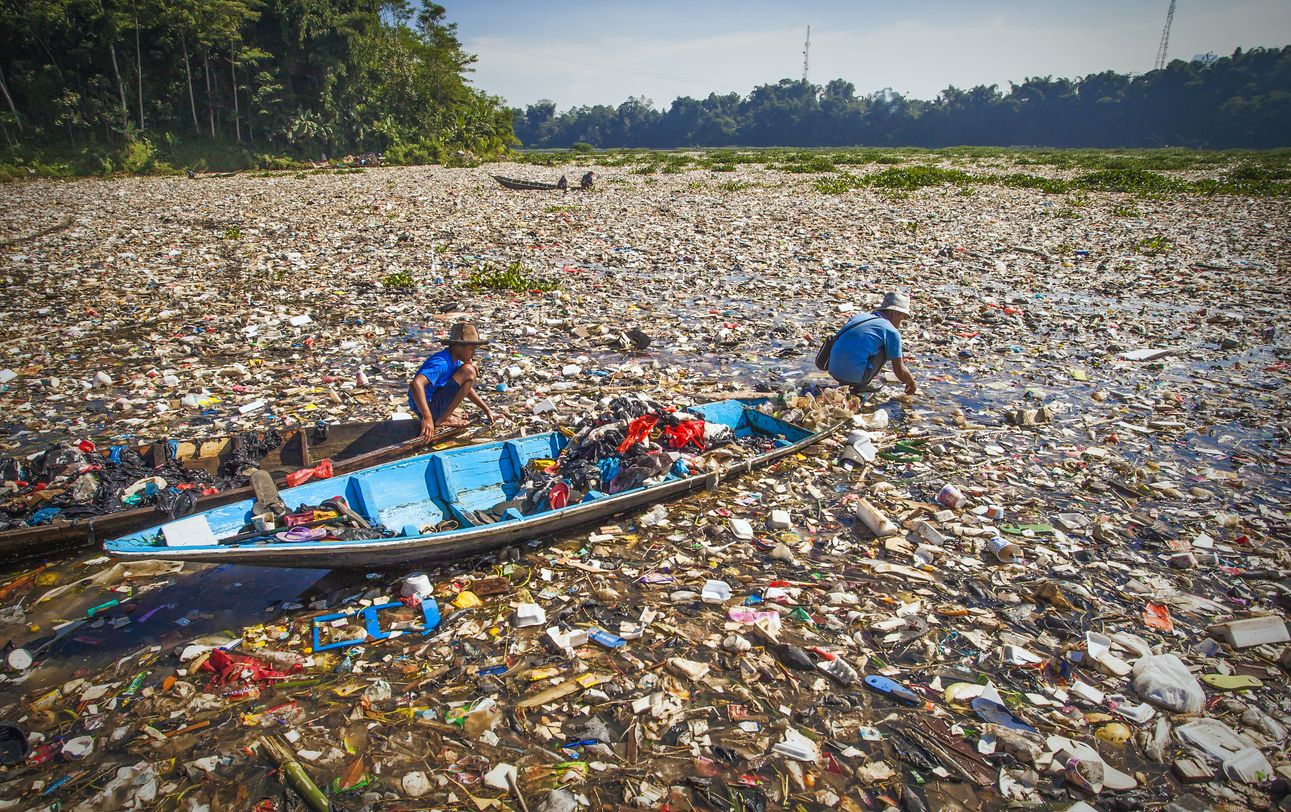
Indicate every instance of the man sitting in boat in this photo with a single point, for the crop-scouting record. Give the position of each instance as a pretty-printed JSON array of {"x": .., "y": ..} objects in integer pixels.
[
  {"x": 587, "y": 180},
  {"x": 445, "y": 378},
  {"x": 870, "y": 340}
]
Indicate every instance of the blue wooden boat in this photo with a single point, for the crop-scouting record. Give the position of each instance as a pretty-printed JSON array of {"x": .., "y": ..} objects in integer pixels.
[{"x": 444, "y": 486}]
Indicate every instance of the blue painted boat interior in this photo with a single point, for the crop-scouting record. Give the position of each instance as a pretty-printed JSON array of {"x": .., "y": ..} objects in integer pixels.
[{"x": 411, "y": 494}]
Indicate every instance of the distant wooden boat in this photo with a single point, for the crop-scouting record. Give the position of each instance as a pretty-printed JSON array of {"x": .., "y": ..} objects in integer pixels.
[
  {"x": 350, "y": 446},
  {"x": 413, "y": 499},
  {"x": 525, "y": 185}
]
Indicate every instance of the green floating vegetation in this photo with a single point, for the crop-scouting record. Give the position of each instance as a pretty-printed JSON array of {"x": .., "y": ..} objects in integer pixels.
[
  {"x": 1019, "y": 180},
  {"x": 907, "y": 178},
  {"x": 400, "y": 280},
  {"x": 1154, "y": 246},
  {"x": 1246, "y": 182},
  {"x": 512, "y": 278}
]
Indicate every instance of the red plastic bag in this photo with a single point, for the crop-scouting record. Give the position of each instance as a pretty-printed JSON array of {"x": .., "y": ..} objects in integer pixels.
[
  {"x": 231, "y": 668},
  {"x": 323, "y": 471},
  {"x": 679, "y": 436},
  {"x": 638, "y": 430}
]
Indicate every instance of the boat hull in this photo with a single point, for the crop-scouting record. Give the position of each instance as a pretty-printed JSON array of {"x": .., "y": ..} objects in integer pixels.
[
  {"x": 524, "y": 185},
  {"x": 456, "y": 544}
]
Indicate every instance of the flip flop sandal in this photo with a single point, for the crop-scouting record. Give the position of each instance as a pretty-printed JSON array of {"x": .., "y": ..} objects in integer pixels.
[
  {"x": 1231, "y": 682},
  {"x": 296, "y": 534},
  {"x": 893, "y": 690}
]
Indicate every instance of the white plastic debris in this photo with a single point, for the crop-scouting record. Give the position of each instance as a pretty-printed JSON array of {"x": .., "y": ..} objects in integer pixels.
[
  {"x": 878, "y": 524},
  {"x": 415, "y": 783},
  {"x": 1254, "y": 631},
  {"x": 797, "y": 746},
  {"x": 1166, "y": 682},
  {"x": 741, "y": 529},
  {"x": 716, "y": 592},
  {"x": 529, "y": 614}
]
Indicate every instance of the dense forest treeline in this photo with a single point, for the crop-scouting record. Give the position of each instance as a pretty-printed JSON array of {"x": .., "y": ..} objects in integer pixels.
[
  {"x": 137, "y": 85},
  {"x": 294, "y": 77},
  {"x": 1242, "y": 101}
]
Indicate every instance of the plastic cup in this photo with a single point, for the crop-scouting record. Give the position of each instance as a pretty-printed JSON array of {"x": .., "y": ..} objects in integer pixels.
[
  {"x": 951, "y": 496},
  {"x": 1004, "y": 550}
]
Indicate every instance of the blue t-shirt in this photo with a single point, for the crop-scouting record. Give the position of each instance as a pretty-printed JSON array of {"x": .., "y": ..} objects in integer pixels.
[
  {"x": 437, "y": 369},
  {"x": 851, "y": 357}
]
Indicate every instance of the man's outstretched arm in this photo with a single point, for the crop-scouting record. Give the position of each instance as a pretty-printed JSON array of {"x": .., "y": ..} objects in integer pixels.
[{"x": 903, "y": 374}]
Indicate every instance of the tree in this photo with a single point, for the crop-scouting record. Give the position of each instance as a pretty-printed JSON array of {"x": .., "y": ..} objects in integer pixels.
[{"x": 273, "y": 74}]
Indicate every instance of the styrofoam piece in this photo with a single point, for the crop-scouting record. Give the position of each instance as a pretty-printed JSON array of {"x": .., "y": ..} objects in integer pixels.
[
  {"x": 716, "y": 592},
  {"x": 1132, "y": 643},
  {"x": 501, "y": 777},
  {"x": 881, "y": 526},
  {"x": 1241, "y": 760},
  {"x": 797, "y": 746},
  {"x": 529, "y": 614},
  {"x": 1252, "y": 631},
  {"x": 1099, "y": 647},
  {"x": 1087, "y": 692},
  {"x": 300, "y": 321},
  {"x": 926, "y": 554},
  {"x": 193, "y": 531},
  {"x": 1248, "y": 766},
  {"x": 742, "y": 529},
  {"x": 929, "y": 533},
  {"x": 780, "y": 520},
  {"x": 1141, "y": 713}
]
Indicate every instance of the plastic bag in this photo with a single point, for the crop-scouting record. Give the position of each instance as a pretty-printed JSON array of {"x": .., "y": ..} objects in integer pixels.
[{"x": 1165, "y": 681}]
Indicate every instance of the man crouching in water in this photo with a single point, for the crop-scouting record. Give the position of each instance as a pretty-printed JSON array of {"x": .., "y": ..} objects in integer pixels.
[{"x": 444, "y": 379}]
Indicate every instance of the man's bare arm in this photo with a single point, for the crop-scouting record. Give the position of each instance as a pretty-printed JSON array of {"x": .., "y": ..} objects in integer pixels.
[{"x": 903, "y": 374}]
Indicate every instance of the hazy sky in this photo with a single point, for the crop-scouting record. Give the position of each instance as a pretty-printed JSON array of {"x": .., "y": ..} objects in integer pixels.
[{"x": 582, "y": 52}]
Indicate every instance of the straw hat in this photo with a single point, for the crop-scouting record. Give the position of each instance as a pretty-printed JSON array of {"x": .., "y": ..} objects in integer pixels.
[
  {"x": 898, "y": 302},
  {"x": 464, "y": 333}
]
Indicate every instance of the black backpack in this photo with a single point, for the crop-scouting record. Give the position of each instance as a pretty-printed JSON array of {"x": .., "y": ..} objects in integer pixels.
[{"x": 822, "y": 356}]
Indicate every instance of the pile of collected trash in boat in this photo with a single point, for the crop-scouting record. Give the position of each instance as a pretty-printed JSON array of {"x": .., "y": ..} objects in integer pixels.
[
  {"x": 636, "y": 442},
  {"x": 68, "y": 482}
]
